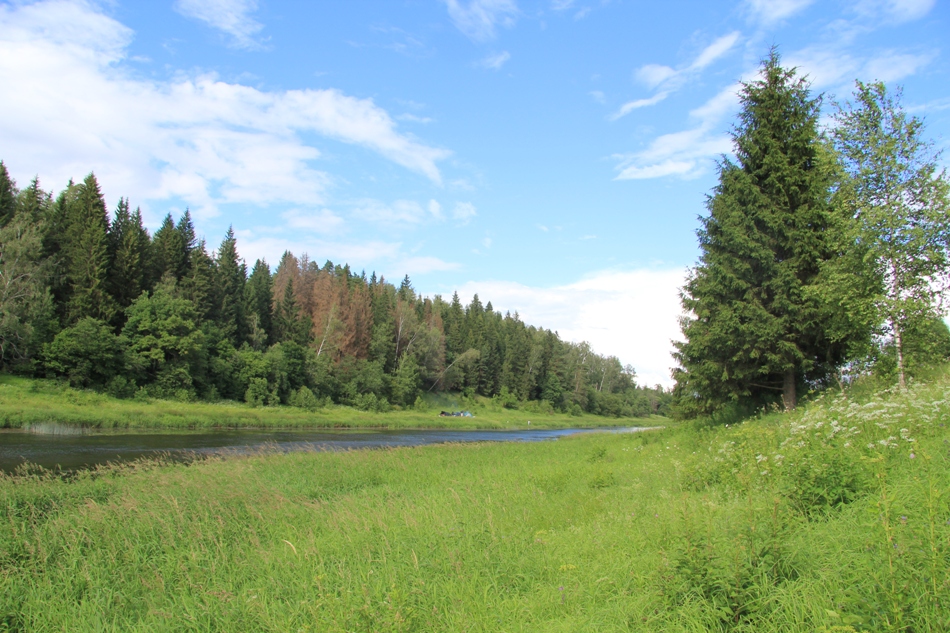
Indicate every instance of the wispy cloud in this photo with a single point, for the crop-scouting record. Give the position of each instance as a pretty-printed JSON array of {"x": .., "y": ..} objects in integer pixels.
[
  {"x": 419, "y": 266},
  {"x": 607, "y": 310},
  {"x": 463, "y": 212},
  {"x": 478, "y": 19},
  {"x": 232, "y": 17},
  {"x": 667, "y": 80},
  {"x": 195, "y": 138},
  {"x": 769, "y": 12},
  {"x": 316, "y": 221},
  {"x": 895, "y": 10},
  {"x": 686, "y": 153},
  {"x": 399, "y": 212},
  {"x": 494, "y": 62}
]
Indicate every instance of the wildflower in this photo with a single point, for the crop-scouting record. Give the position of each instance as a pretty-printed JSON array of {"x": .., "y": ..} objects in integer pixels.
[{"x": 912, "y": 456}]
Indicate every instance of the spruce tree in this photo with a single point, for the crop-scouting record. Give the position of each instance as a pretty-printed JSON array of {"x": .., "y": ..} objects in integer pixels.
[
  {"x": 86, "y": 254},
  {"x": 128, "y": 243},
  {"x": 754, "y": 330},
  {"x": 230, "y": 278},
  {"x": 259, "y": 299},
  {"x": 168, "y": 251},
  {"x": 8, "y": 194}
]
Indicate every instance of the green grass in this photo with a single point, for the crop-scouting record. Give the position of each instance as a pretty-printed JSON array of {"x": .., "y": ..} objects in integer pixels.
[
  {"x": 834, "y": 518},
  {"x": 25, "y": 402}
]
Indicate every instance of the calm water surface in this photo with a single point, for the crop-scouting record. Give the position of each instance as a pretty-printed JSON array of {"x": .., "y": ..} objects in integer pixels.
[{"x": 71, "y": 448}]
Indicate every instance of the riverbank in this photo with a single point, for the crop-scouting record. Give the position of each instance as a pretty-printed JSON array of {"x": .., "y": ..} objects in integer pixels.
[
  {"x": 25, "y": 402},
  {"x": 834, "y": 518}
]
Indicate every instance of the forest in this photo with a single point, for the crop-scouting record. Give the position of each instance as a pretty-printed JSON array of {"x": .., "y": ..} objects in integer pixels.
[{"x": 89, "y": 295}]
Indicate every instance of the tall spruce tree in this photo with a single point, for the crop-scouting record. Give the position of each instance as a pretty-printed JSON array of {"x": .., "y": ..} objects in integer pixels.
[
  {"x": 128, "y": 244},
  {"x": 87, "y": 254},
  {"x": 754, "y": 330},
  {"x": 259, "y": 294},
  {"x": 230, "y": 277},
  {"x": 168, "y": 251}
]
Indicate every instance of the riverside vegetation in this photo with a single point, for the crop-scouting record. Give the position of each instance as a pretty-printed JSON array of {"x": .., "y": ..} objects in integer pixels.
[
  {"x": 28, "y": 402},
  {"x": 833, "y": 517}
]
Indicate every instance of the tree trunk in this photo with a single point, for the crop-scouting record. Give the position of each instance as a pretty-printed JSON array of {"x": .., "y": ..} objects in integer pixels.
[
  {"x": 899, "y": 346},
  {"x": 788, "y": 390}
]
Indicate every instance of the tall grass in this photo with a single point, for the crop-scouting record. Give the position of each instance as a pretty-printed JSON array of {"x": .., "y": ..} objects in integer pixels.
[{"x": 836, "y": 518}]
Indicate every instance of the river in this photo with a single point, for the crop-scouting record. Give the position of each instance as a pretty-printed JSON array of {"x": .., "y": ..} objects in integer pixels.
[{"x": 72, "y": 448}]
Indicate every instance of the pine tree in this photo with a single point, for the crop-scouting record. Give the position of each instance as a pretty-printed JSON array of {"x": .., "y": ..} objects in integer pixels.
[
  {"x": 86, "y": 254},
  {"x": 754, "y": 330}
]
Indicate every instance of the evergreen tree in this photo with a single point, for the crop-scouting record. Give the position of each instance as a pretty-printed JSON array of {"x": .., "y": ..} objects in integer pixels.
[
  {"x": 230, "y": 277},
  {"x": 186, "y": 229},
  {"x": 198, "y": 284},
  {"x": 168, "y": 252},
  {"x": 754, "y": 330},
  {"x": 8, "y": 195},
  {"x": 128, "y": 244},
  {"x": 87, "y": 254},
  {"x": 259, "y": 299}
]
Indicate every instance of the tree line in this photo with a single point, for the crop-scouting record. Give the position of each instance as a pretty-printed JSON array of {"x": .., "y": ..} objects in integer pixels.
[
  {"x": 93, "y": 297},
  {"x": 824, "y": 254}
]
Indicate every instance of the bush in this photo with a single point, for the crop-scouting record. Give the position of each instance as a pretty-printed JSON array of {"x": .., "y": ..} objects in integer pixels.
[
  {"x": 88, "y": 353},
  {"x": 303, "y": 398}
]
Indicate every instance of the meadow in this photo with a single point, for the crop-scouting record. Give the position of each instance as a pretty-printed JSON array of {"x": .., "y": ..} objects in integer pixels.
[
  {"x": 25, "y": 402},
  {"x": 833, "y": 518}
]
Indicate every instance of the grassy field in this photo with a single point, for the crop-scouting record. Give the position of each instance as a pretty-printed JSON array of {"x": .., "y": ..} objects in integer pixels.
[
  {"x": 834, "y": 518},
  {"x": 25, "y": 402}
]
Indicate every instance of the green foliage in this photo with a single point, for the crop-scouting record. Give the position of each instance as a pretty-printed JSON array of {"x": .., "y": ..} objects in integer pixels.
[
  {"x": 754, "y": 332},
  {"x": 164, "y": 343},
  {"x": 87, "y": 353},
  {"x": 900, "y": 203}
]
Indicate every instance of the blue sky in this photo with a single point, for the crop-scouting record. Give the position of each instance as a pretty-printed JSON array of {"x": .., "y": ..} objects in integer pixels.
[{"x": 550, "y": 155}]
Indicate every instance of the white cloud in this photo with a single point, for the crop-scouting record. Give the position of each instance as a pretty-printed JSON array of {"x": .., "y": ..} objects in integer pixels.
[
  {"x": 771, "y": 11},
  {"x": 464, "y": 212},
  {"x": 204, "y": 140},
  {"x": 598, "y": 96},
  {"x": 562, "y": 5},
  {"x": 435, "y": 209},
  {"x": 630, "y": 106},
  {"x": 486, "y": 242},
  {"x": 478, "y": 19},
  {"x": 715, "y": 50},
  {"x": 399, "y": 212},
  {"x": 686, "y": 153},
  {"x": 320, "y": 221},
  {"x": 654, "y": 74},
  {"x": 830, "y": 66},
  {"x": 232, "y": 17},
  {"x": 494, "y": 62},
  {"x": 629, "y": 314},
  {"x": 895, "y": 10},
  {"x": 668, "y": 80}
]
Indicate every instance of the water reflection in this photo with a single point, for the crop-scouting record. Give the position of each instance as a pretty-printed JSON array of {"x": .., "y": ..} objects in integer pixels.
[{"x": 71, "y": 448}]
